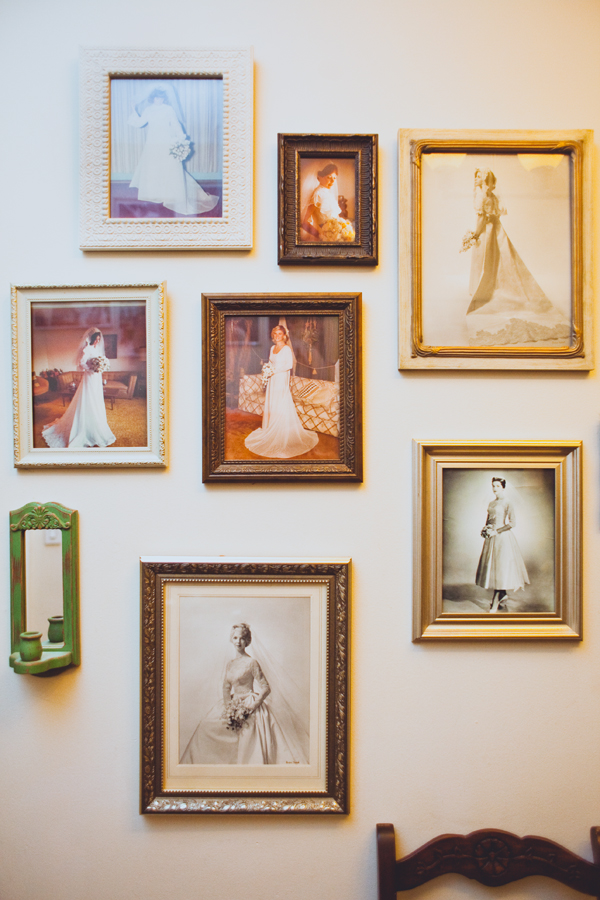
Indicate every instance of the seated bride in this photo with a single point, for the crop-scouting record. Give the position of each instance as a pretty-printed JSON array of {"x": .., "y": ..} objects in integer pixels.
[{"x": 323, "y": 218}]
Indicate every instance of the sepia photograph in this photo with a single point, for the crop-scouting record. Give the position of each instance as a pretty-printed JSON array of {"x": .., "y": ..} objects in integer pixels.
[
  {"x": 495, "y": 259},
  {"x": 498, "y": 553},
  {"x": 497, "y": 530},
  {"x": 327, "y": 211},
  {"x": 88, "y": 366},
  {"x": 327, "y": 199},
  {"x": 281, "y": 386},
  {"x": 166, "y": 140},
  {"x": 249, "y": 712}
]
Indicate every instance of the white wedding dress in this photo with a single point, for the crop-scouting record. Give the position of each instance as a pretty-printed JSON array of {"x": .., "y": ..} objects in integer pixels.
[
  {"x": 281, "y": 435},
  {"x": 84, "y": 421},
  {"x": 260, "y": 741},
  {"x": 160, "y": 177}
]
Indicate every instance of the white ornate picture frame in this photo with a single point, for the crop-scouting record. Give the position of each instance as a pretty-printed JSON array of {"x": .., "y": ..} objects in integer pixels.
[
  {"x": 154, "y": 225},
  {"x": 47, "y": 328}
]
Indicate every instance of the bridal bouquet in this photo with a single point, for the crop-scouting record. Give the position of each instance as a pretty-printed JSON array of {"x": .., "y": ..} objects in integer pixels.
[
  {"x": 337, "y": 230},
  {"x": 470, "y": 240},
  {"x": 98, "y": 364},
  {"x": 235, "y": 714},
  {"x": 488, "y": 531},
  {"x": 267, "y": 371},
  {"x": 180, "y": 150}
]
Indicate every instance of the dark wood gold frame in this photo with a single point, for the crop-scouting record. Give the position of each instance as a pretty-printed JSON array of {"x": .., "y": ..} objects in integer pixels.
[
  {"x": 413, "y": 352},
  {"x": 215, "y": 309},
  {"x": 430, "y": 622},
  {"x": 363, "y": 148},
  {"x": 334, "y": 575}
]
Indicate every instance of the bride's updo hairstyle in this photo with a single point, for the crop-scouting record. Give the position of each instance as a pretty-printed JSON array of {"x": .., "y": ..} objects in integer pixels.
[
  {"x": 94, "y": 336},
  {"x": 246, "y": 633},
  {"x": 327, "y": 170},
  {"x": 501, "y": 481}
]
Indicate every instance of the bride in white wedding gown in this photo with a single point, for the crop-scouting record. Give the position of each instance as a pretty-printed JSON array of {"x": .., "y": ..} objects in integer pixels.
[
  {"x": 161, "y": 177},
  {"x": 84, "y": 422},
  {"x": 281, "y": 435},
  {"x": 243, "y": 729}
]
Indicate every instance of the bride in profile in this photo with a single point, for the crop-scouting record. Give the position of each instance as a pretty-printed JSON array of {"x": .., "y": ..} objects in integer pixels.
[
  {"x": 507, "y": 304},
  {"x": 84, "y": 422},
  {"x": 281, "y": 435},
  {"x": 160, "y": 175},
  {"x": 242, "y": 729}
]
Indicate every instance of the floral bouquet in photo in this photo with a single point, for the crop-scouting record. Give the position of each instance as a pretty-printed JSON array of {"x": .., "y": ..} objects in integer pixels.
[
  {"x": 180, "y": 150},
  {"x": 470, "y": 240},
  {"x": 488, "y": 531},
  {"x": 267, "y": 371},
  {"x": 235, "y": 714},
  {"x": 336, "y": 230},
  {"x": 98, "y": 364}
]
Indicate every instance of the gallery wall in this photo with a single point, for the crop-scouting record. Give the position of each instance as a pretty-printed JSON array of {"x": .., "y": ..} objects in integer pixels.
[{"x": 444, "y": 738}]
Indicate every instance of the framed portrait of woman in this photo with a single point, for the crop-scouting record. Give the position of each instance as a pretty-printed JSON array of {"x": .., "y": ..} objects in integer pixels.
[
  {"x": 166, "y": 149},
  {"x": 244, "y": 685},
  {"x": 282, "y": 387},
  {"x": 498, "y": 540},
  {"x": 495, "y": 250},
  {"x": 89, "y": 375},
  {"x": 327, "y": 199}
]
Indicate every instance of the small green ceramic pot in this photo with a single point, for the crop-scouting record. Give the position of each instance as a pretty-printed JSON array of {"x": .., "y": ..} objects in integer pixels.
[
  {"x": 55, "y": 629},
  {"x": 30, "y": 647}
]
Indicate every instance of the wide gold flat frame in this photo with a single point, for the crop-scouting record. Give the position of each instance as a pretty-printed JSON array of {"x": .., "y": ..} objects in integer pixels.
[
  {"x": 413, "y": 352},
  {"x": 154, "y": 454},
  {"x": 430, "y": 458}
]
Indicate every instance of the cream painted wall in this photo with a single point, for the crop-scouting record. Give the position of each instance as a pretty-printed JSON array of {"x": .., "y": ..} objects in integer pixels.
[{"x": 444, "y": 738}]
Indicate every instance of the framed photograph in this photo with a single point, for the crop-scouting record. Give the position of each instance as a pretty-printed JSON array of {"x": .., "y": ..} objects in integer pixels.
[
  {"x": 327, "y": 199},
  {"x": 166, "y": 149},
  {"x": 244, "y": 685},
  {"x": 495, "y": 250},
  {"x": 89, "y": 375},
  {"x": 281, "y": 387},
  {"x": 497, "y": 531}
]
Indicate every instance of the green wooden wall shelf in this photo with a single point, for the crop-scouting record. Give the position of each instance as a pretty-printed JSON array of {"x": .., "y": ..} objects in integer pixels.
[{"x": 61, "y": 654}]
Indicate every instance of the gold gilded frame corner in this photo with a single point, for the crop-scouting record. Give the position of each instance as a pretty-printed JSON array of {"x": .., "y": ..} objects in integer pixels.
[
  {"x": 430, "y": 458},
  {"x": 414, "y": 353}
]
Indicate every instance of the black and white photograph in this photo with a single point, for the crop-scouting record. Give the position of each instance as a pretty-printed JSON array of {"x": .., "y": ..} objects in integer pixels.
[
  {"x": 166, "y": 147},
  {"x": 496, "y": 249},
  {"x": 499, "y": 541},
  {"x": 252, "y": 697}
]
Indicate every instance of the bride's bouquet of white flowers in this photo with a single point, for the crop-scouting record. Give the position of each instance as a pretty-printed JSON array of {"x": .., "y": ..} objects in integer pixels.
[
  {"x": 469, "y": 240},
  {"x": 235, "y": 714},
  {"x": 98, "y": 364},
  {"x": 267, "y": 371},
  {"x": 336, "y": 230},
  {"x": 180, "y": 150},
  {"x": 488, "y": 531}
]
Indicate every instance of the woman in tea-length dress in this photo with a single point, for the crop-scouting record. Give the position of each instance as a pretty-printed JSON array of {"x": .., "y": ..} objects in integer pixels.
[
  {"x": 84, "y": 422},
  {"x": 501, "y": 566},
  {"x": 281, "y": 435}
]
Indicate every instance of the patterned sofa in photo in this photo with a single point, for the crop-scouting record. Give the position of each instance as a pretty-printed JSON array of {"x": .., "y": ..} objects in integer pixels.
[{"x": 317, "y": 402}]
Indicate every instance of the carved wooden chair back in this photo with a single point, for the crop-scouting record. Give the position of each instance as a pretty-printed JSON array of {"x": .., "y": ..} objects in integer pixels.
[{"x": 489, "y": 856}]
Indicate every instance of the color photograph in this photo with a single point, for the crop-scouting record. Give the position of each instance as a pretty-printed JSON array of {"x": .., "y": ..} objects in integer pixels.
[
  {"x": 89, "y": 374},
  {"x": 327, "y": 199},
  {"x": 283, "y": 391},
  {"x": 166, "y": 147}
]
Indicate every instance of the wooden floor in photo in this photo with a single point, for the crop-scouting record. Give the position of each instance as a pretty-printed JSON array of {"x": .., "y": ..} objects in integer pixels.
[
  {"x": 127, "y": 421},
  {"x": 239, "y": 424}
]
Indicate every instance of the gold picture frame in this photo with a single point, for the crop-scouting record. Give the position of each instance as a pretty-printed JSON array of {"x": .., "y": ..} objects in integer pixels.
[
  {"x": 209, "y": 744},
  {"x": 463, "y": 557},
  {"x": 499, "y": 304},
  {"x": 54, "y": 423}
]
